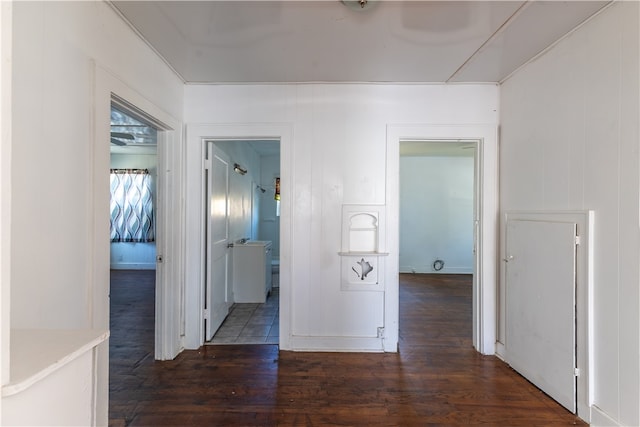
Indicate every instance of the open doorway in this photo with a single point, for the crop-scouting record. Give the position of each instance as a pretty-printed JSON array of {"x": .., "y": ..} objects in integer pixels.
[
  {"x": 242, "y": 250},
  {"x": 143, "y": 223},
  {"x": 199, "y": 135},
  {"x": 133, "y": 184},
  {"x": 437, "y": 207},
  {"x": 484, "y": 225},
  {"x": 133, "y": 212},
  {"x": 438, "y": 213}
]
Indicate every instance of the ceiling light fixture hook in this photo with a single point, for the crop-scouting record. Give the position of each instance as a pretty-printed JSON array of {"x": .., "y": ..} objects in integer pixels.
[{"x": 356, "y": 4}]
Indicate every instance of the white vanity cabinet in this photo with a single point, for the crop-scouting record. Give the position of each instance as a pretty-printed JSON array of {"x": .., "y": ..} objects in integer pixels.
[{"x": 251, "y": 271}]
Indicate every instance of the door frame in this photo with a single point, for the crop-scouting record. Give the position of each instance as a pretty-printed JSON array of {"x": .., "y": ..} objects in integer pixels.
[
  {"x": 197, "y": 136},
  {"x": 169, "y": 292},
  {"x": 484, "y": 300}
]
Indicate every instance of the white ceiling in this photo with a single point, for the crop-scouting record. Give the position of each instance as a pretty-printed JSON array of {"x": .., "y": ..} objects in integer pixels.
[{"x": 327, "y": 41}]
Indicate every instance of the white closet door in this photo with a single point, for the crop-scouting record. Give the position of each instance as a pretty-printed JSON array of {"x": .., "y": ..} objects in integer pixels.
[{"x": 540, "y": 294}]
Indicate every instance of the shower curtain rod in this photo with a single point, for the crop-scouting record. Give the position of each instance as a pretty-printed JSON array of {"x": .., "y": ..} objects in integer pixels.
[{"x": 142, "y": 171}]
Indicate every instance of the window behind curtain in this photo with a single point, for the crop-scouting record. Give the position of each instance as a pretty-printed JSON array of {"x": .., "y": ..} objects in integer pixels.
[{"x": 132, "y": 218}]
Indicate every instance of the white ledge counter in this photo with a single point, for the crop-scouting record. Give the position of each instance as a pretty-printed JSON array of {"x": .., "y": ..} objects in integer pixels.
[{"x": 62, "y": 376}]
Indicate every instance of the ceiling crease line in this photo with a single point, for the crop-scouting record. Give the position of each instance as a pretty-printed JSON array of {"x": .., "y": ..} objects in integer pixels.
[
  {"x": 143, "y": 38},
  {"x": 493, "y": 36},
  {"x": 552, "y": 45}
]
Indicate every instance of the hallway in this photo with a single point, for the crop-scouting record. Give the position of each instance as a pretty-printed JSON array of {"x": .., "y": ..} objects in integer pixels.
[{"x": 436, "y": 378}]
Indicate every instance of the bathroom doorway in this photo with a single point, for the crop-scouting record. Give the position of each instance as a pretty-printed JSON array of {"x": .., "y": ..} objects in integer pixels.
[{"x": 245, "y": 173}]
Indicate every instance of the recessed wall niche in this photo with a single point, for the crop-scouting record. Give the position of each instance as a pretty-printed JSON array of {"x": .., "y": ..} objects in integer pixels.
[{"x": 363, "y": 243}]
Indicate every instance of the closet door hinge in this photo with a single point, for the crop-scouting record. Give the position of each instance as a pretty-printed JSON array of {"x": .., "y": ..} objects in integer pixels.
[
  {"x": 578, "y": 240},
  {"x": 205, "y": 314}
]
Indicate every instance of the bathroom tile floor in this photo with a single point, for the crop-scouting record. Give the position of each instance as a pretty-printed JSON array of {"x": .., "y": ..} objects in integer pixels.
[{"x": 251, "y": 323}]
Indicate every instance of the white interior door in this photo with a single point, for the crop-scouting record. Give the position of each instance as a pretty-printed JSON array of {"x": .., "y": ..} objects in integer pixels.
[
  {"x": 540, "y": 302},
  {"x": 216, "y": 300}
]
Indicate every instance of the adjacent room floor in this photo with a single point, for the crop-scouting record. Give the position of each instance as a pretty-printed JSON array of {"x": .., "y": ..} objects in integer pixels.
[
  {"x": 435, "y": 378},
  {"x": 250, "y": 323}
]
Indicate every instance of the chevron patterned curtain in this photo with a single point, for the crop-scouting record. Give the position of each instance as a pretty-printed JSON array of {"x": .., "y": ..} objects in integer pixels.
[{"x": 132, "y": 218}]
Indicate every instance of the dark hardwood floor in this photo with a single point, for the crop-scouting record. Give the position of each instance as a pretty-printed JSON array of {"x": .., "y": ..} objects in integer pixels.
[{"x": 435, "y": 379}]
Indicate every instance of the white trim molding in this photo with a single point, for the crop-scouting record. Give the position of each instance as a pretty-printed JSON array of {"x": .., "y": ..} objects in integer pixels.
[
  {"x": 6, "y": 68},
  {"x": 338, "y": 344},
  {"x": 600, "y": 419}
]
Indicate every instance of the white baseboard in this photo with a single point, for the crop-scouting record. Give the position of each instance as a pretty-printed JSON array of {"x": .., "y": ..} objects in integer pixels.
[
  {"x": 600, "y": 419},
  {"x": 133, "y": 266},
  {"x": 336, "y": 344},
  {"x": 500, "y": 351},
  {"x": 429, "y": 270}
]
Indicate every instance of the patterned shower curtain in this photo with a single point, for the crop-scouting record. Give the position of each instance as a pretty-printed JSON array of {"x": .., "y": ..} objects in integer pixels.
[{"x": 132, "y": 218}]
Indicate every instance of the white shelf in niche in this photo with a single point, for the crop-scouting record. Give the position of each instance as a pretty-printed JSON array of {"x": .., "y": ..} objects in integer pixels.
[{"x": 362, "y": 253}]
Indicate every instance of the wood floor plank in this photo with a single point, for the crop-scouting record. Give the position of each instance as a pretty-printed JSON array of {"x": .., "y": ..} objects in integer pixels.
[{"x": 435, "y": 379}]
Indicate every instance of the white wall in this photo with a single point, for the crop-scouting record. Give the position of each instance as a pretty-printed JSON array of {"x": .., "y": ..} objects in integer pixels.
[
  {"x": 59, "y": 279},
  {"x": 570, "y": 141},
  {"x": 52, "y": 134},
  {"x": 6, "y": 25},
  {"x": 131, "y": 255},
  {"x": 436, "y": 214},
  {"x": 269, "y": 222},
  {"x": 338, "y": 157}
]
